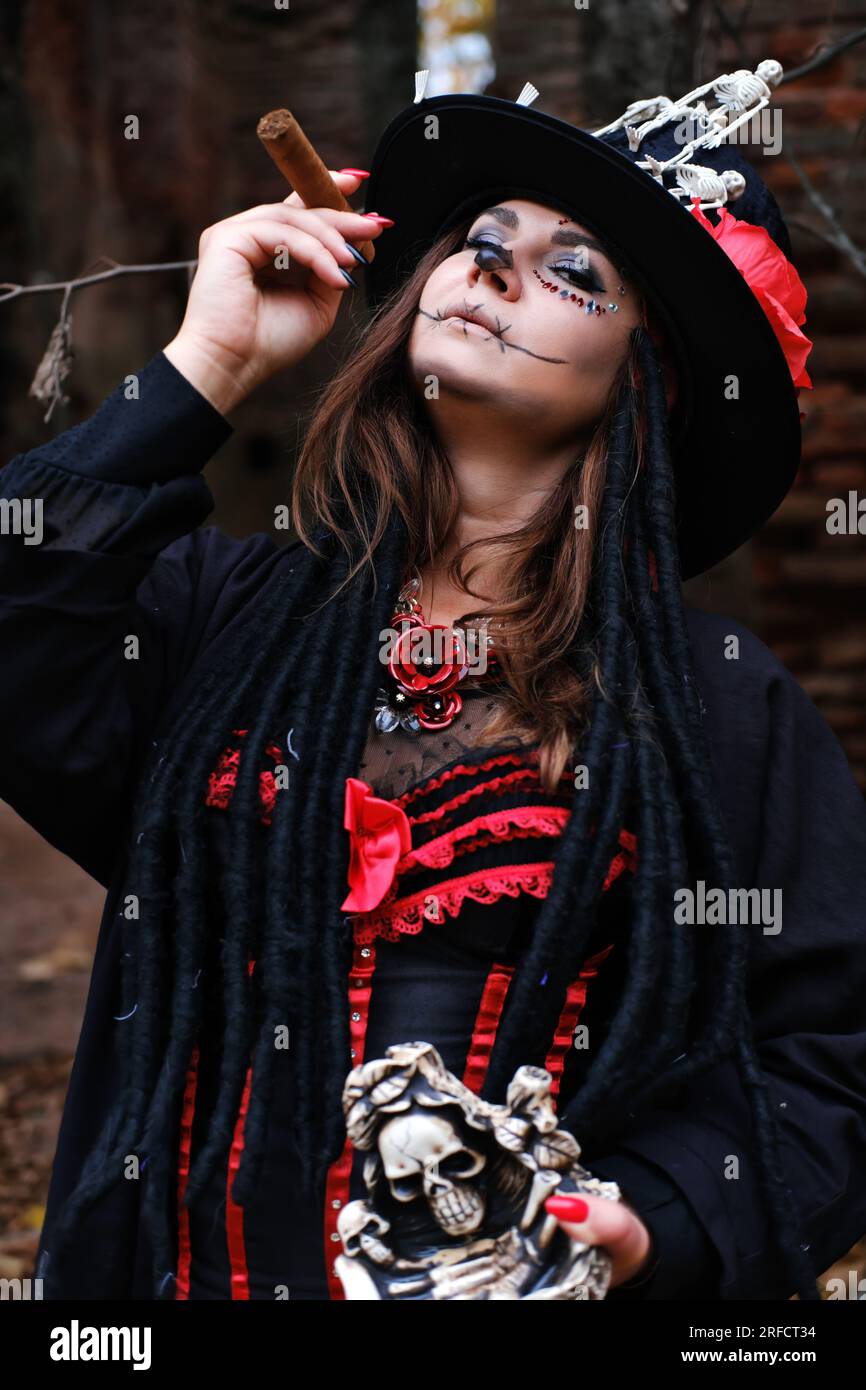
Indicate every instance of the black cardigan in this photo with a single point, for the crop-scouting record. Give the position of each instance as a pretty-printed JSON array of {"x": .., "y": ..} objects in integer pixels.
[{"x": 123, "y": 551}]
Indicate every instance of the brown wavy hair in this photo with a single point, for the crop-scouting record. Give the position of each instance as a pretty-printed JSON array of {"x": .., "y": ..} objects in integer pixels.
[{"x": 369, "y": 435}]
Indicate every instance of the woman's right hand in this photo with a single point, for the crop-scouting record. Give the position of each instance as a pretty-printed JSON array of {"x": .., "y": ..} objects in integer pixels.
[{"x": 246, "y": 317}]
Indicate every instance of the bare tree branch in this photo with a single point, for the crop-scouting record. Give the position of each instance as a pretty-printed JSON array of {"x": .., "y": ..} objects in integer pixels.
[
  {"x": 827, "y": 237},
  {"x": 56, "y": 363},
  {"x": 823, "y": 56},
  {"x": 13, "y": 291},
  {"x": 836, "y": 236}
]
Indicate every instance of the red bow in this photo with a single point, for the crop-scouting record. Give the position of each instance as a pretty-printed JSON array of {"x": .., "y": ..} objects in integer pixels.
[{"x": 380, "y": 836}]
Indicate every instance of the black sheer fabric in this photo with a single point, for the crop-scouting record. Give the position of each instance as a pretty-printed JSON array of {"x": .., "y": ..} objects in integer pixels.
[{"x": 394, "y": 761}]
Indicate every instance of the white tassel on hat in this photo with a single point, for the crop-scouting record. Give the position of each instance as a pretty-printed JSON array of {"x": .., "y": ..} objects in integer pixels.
[
  {"x": 527, "y": 96},
  {"x": 422, "y": 77}
]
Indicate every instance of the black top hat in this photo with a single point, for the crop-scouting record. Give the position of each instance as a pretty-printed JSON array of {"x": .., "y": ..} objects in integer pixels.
[{"x": 736, "y": 449}]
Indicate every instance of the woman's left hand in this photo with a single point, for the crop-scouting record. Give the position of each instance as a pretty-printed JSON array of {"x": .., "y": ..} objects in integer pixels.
[{"x": 614, "y": 1225}]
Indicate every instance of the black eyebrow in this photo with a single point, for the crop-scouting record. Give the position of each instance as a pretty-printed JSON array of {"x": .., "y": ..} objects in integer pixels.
[{"x": 509, "y": 218}]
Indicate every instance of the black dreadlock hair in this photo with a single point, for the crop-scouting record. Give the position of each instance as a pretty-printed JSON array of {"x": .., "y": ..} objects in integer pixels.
[{"x": 683, "y": 1008}]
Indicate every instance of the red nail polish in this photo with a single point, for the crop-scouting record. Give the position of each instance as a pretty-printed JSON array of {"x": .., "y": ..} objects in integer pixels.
[
  {"x": 359, "y": 173},
  {"x": 568, "y": 1208},
  {"x": 385, "y": 221}
]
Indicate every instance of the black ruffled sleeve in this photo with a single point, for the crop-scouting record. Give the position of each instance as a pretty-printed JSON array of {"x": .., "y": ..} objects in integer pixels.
[{"x": 100, "y": 563}]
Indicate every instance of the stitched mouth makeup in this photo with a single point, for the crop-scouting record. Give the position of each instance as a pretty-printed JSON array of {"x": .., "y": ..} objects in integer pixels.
[
  {"x": 466, "y": 324},
  {"x": 467, "y": 319}
]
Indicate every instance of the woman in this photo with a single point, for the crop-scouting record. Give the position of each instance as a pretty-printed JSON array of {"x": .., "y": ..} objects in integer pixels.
[{"x": 199, "y": 721}]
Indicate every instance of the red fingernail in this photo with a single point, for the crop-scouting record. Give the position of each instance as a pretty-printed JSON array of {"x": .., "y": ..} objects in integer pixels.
[
  {"x": 568, "y": 1208},
  {"x": 385, "y": 221},
  {"x": 359, "y": 173}
]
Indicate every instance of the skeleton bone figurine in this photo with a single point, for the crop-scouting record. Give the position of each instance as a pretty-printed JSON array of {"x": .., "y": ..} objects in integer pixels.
[
  {"x": 456, "y": 1188},
  {"x": 739, "y": 96},
  {"x": 697, "y": 181}
]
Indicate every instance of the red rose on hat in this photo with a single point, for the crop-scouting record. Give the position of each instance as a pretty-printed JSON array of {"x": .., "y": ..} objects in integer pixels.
[{"x": 772, "y": 279}]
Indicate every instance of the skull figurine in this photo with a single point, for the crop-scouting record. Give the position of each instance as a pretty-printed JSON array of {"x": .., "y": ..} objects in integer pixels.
[
  {"x": 423, "y": 1155},
  {"x": 362, "y": 1230},
  {"x": 456, "y": 1188}
]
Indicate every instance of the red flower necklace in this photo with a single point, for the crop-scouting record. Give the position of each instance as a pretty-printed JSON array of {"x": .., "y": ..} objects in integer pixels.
[{"x": 426, "y": 662}]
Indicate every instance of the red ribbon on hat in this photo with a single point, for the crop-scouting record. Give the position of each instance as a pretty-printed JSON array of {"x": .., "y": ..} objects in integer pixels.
[
  {"x": 380, "y": 836},
  {"x": 772, "y": 279}
]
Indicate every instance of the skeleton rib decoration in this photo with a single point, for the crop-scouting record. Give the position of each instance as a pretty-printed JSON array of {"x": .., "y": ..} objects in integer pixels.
[{"x": 457, "y": 1186}]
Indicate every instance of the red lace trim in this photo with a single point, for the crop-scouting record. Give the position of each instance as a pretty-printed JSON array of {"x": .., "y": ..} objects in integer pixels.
[
  {"x": 496, "y": 784},
  {"x": 221, "y": 783},
  {"x": 484, "y": 886},
  {"x": 509, "y": 824},
  {"x": 395, "y": 916},
  {"x": 460, "y": 770}
]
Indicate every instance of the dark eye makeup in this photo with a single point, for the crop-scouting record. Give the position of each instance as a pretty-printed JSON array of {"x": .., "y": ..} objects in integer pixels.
[{"x": 569, "y": 271}]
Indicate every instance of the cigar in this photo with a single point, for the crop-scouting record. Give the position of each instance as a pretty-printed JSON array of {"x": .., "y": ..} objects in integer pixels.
[{"x": 298, "y": 162}]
